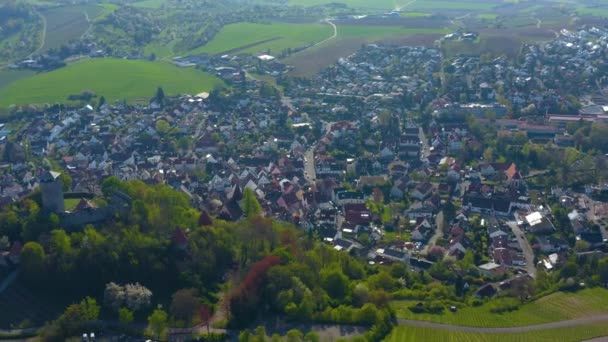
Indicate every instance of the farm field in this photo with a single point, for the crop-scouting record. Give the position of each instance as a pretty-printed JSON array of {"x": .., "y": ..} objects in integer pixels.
[
  {"x": 67, "y": 23},
  {"x": 555, "y": 307},
  {"x": 453, "y": 5},
  {"x": 149, "y": 3},
  {"x": 415, "y": 14},
  {"x": 385, "y": 5},
  {"x": 350, "y": 38},
  {"x": 255, "y": 38},
  {"x": 9, "y": 76},
  {"x": 578, "y": 333},
  {"x": 116, "y": 79}
]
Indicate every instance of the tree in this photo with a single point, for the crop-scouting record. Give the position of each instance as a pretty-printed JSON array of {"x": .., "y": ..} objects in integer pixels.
[
  {"x": 335, "y": 283},
  {"x": 137, "y": 296},
  {"x": 581, "y": 246},
  {"x": 603, "y": 270},
  {"x": 133, "y": 296},
  {"x": 251, "y": 206},
  {"x": 160, "y": 96},
  {"x": 158, "y": 324},
  {"x": 184, "y": 304},
  {"x": 436, "y": 253},
  {"x": 4, "y": 243},
  {"x": 162, "y": 127},
  {"x": 66, "y": 181},
  {"x": 32, "y": 261},
  {"x": 102, "y": 101},
  {"x": 125, "y": 316}
]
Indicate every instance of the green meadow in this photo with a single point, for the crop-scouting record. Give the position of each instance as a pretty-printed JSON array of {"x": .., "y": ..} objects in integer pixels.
[
  {"x": 116, "y": 79},
  {"x": 568, "y": 334},
  {"x": 558, "y": 306},
  {"x": 255, "y": 38}
]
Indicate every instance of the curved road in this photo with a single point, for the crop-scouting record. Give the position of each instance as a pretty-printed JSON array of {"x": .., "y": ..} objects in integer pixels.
[{"x": 552, "y": 325}]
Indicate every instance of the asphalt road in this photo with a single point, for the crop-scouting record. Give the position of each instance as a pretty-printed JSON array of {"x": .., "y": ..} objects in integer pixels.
[
  {"x": 309, "y": 165},
  {"x": 525, "y": 247}
]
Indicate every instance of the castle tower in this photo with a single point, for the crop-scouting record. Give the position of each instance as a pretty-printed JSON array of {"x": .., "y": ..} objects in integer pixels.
[{"x": 52, "y": 192}]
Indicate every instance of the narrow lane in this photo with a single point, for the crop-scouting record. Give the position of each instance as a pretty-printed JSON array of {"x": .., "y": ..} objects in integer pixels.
[{"x": 525, "y": 247}]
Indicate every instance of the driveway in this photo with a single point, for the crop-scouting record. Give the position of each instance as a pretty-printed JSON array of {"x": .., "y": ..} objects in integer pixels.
[
  {"x": 525, "y": 247},
  {"x": 426, "y": 149}
]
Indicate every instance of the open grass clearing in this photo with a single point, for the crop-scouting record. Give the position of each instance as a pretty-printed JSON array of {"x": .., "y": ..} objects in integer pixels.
[
  {"x": 559, "y": 306},
  {"x": 116, "y": 79},
  {"x": 274, "y": 37},
  {"x": 578, "y": 333},
  {"x": 70, "y": 203}
]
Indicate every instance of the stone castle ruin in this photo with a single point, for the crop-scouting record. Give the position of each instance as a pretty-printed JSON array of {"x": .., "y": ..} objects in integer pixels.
[{"x": 53, "y": 200}]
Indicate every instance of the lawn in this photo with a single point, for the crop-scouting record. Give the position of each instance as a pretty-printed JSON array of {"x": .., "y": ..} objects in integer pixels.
[
  {"x": 415, "y": 334},
  {"x": 255, "y": 38},
  {"x": 70, "y": 203},
  {"x": 67, "y": 23},
  {"x": 555, "y": 307},
  {"x": 116, "y": 79}
]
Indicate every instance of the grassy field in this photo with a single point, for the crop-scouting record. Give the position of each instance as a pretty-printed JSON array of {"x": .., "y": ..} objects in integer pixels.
[
  {"x": 415, "y": 334},
  {"x": 107, "y": 9},
  {"x": 594, "y": 11},
  {"x": 363, "y": 4},
  {"x": 67, "y": 23},
  {"x": 255, "y": 38},
  {"x": 453, "y": 5},
  {"x": 415, "y": 14},
  {"x": 555, "y": 307},
  {"x": 149, "y": 3},
  {"x": 487, "y": 16},
  {"x": 371, "y": 33},
  {"x": 116, "y": 79},
  {"x": 9, "y": 76}
]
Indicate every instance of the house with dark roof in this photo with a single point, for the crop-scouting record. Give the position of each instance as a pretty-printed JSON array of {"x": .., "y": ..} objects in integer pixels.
[{"x": 422, "y": 191}]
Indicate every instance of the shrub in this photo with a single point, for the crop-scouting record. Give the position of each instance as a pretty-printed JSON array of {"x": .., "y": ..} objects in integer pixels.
[{"x": 504, "y": 305}]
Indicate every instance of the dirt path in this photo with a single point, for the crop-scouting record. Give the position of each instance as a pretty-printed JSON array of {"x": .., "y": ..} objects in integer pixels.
[
  {"x": 333, "y": 36},
  {"x": 42, "y": 36},
  {"x": 552, "y": 325},
  {"x": 399, "y": 8}
]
